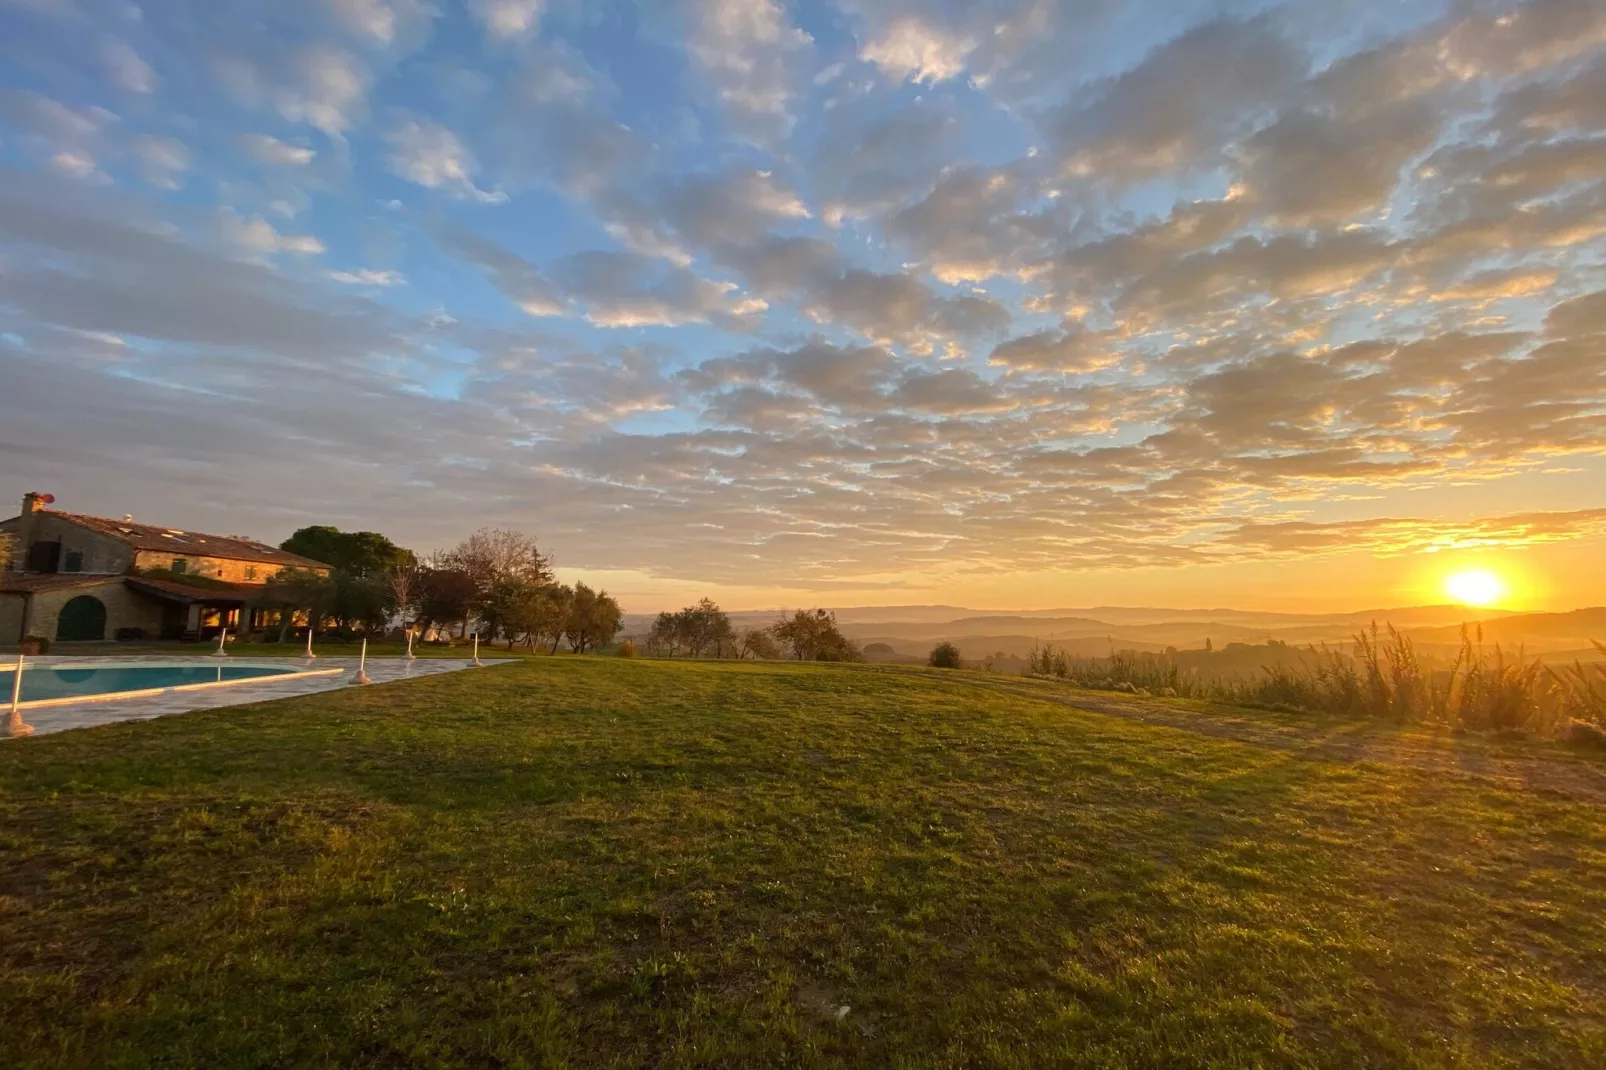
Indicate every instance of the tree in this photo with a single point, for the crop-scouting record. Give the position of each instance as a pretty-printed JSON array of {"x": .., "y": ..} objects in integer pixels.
[
  {"x": 814, "y": 636},
  {"x": 364, "y": 600},
  {"x": 298, "y": 590},
  {"x": 594, "y": 619},
  {"x": 360, "y": 553},
  {"x": 549, "y": 615},
  {"x": 707, "y": 628},
  {"x": 944, "y": 656},
  {"x": 701, "y": 629},
  {"x": 404, "y": 588},
  {"x": 505, "y": 608},
  {"x": 666, "y": 634},
  {"x": 757, "y": 643},
  {"x": 494, "y": 554},
  {"x": 445, "y": 595}
]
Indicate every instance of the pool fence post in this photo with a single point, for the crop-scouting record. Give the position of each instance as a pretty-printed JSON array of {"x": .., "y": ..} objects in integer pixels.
[
  {"x": 310, "y": 654},
  {"x": 14, "y": 726},
  {"x": 362, "y": 665},
  {"x": 477, "y": 660},
  {"x": 222, "y": 637}
]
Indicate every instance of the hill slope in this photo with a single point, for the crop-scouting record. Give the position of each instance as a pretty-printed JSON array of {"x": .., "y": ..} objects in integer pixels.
[{"x": 589, "y": 862}]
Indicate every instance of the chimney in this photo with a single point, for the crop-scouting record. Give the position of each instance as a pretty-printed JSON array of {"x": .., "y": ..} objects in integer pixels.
[{"x": 33, "y": 503}]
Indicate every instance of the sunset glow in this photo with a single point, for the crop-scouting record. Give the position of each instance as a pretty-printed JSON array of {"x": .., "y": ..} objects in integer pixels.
[
  {"x": 1018, "y": 304},
  {"x": 1476, "y": 587}
]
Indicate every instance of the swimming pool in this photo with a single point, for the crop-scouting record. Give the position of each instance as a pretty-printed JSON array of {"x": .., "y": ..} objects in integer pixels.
[{"x": 52, "y": 684}]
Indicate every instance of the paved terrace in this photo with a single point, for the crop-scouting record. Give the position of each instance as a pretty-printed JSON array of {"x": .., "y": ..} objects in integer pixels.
[{"x": 94, "y": 712}]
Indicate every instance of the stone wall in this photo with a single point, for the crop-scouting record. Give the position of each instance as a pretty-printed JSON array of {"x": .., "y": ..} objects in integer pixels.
[
  {"x": 216, "y": 568},
  {"x": 125, "y": 608},
  {"x": 11, "y": 609},
  {"x": 102, "y": 555}
]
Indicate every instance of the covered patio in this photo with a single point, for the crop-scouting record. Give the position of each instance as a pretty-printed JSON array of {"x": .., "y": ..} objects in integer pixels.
[{"x": 194, "y": 612}]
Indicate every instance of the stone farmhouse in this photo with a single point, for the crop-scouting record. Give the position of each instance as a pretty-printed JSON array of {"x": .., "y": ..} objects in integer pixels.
[{"x": 74, "y": 578}]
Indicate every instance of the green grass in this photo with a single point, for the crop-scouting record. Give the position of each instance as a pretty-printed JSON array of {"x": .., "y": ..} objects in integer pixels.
[{"x": 590, "y": 861}]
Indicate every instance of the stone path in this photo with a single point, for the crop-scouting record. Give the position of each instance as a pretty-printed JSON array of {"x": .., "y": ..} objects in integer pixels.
[{"x": 50, "y": 719}]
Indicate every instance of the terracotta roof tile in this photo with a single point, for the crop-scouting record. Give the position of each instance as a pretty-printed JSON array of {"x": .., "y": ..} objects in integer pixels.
[
  {"x": 34, "y": 582},
  {"x": 199, "y": 544},
  {"x": 212, "y": 594}
]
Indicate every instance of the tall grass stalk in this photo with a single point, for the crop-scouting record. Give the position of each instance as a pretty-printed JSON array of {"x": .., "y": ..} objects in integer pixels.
[{"x": 1382, "y": 676}]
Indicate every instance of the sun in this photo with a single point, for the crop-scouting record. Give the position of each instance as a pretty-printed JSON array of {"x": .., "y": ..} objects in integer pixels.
[{"x": 1475, "y": 587}]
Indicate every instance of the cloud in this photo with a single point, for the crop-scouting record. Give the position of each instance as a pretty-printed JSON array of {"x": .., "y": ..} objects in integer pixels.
[
  {"x": 732, "y": 209},
  {"x": 368, "y": 277},
  {"x": 384, "y": 22},
  {"x": 52, "y": 121},
  {"x": 1282, "y": 268},
  {"x": 908, "y": 48},
  {"x": 630, "y": 290},
  {"x": 162, "y": 160},
  {"x": 79, "y": 165},
  {"x": 1068, "y": 349},
  {"x": 867, "y": 163},
  {"x": 1580, "y": 316},
  {"x": 1174, "y": 110},
  {"x": 899, "y": 309},
  {"x": 1096, "y": 290},
  {"x": 516, "y": 278},
  {"x": 1391, "y": 536},
  {"x": 126, "y": 69},
  {"x": 750, "y": 51},
  {"x": 431, "y": 156},
  {"x": 508, "y": 18},
  {"x": 328, "y": 90},
  {"x": 258, "y": 236},
  {"x": 1311, "y": 168},
  {"x": 270, "y": 150},
  {"x": 978, "y": 222}
]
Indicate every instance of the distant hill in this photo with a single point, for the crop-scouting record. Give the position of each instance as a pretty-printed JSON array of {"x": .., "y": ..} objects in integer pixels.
[
  {"x": 911, "y": 631},
  {"x": 977, "y": 647},
  {"x": 1402, "y": 616},
  {"x": 1532, "y": 629}
]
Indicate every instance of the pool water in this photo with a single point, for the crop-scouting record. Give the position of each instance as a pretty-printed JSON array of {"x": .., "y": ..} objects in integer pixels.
[{"x": 44, "y": 682}]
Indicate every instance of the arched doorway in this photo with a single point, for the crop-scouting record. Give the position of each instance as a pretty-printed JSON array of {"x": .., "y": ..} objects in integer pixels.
[{"x": 81, "y": 619}]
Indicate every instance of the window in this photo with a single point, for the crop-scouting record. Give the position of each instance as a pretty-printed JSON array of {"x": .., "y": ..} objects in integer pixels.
[
  {"x": 179, "y": 566},
  {"x": 250, "y": 572},
  {"x": 44, "y": 557},
  {"x": 74, "y": 562}
]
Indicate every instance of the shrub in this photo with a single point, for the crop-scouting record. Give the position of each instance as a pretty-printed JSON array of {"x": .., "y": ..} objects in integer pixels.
[
  {"x": 129, "y": 635},
  {"x": 37, "y": 643},
  {"x": 627, "y": 649},
  {"x": 944, "y": 656}
]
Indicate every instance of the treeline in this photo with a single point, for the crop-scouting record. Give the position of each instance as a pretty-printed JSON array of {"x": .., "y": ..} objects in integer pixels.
[
  {"x": 496, "y": 583},
  {"x": 704, "y": 630}
]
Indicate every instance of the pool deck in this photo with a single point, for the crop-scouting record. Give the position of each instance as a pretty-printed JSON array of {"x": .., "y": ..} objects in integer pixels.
[{"x": 98, "y": 711}]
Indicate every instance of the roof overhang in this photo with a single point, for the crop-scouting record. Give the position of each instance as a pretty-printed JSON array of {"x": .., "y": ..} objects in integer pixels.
[{"x": 173, "y": 592}]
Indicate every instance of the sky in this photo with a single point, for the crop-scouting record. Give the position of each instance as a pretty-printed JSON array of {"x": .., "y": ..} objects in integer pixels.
[{"x": 998, "y": 303}]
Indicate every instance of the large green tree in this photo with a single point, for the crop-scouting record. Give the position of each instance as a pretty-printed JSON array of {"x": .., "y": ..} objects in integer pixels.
[{"x": 359, "y": 553}]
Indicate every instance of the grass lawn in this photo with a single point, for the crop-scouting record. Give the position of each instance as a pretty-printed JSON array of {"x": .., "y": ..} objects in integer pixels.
[{"x": 589, "y": 861}]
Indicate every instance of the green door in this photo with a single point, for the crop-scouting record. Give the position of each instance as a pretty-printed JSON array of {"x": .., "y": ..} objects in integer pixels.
[{"x": 82, "y": 618}]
